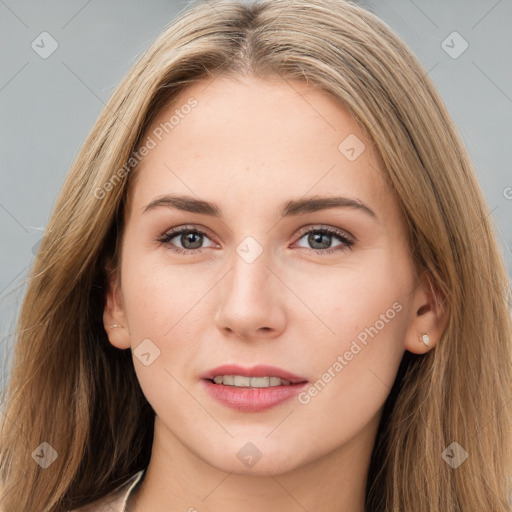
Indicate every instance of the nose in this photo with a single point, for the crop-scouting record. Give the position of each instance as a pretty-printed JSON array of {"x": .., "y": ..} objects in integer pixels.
[{"x": 251, "y": 301}]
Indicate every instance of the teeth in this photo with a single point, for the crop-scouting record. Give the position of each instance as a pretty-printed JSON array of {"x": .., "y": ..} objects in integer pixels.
[{"x": 241, "y": 381}]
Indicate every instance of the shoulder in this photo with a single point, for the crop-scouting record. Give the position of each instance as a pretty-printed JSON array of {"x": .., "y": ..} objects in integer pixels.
[{"x": 114, "y": 501}]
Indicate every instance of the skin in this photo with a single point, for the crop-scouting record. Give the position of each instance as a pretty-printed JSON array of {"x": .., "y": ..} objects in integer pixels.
[{"x": 249, "y": 146}]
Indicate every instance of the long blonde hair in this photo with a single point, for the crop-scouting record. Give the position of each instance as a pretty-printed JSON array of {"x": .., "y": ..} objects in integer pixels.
[{"x": 69, "y": 387}]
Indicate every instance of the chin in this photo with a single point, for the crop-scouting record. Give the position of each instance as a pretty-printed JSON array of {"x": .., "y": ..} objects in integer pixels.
[{"x": 258, "y": 458}]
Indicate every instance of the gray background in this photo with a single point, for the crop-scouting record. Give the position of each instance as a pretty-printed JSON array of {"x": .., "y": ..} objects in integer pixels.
[{"x": 48, "y": 105}]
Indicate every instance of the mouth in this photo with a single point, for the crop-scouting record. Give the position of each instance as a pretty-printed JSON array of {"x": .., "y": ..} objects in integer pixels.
[
  {"x": 260, "y": 376},
  {"x": 252, "y": 389},
  {"x": 242, "y": 381}
]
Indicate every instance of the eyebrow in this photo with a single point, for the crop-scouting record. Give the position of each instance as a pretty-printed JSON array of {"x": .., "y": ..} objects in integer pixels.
[{"x": 290, "y": 208}]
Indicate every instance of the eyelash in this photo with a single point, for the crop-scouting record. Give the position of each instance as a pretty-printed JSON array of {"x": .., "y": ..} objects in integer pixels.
[{"x": 348, "y": 242}]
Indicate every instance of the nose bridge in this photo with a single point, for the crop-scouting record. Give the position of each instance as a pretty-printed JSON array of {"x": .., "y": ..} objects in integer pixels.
[
  {"x": 249, "y": 280},
  {"x": 250, "y": 300}
]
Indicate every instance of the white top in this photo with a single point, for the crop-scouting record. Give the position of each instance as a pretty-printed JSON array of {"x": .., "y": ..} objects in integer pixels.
[{"x": 116, "y": 500}]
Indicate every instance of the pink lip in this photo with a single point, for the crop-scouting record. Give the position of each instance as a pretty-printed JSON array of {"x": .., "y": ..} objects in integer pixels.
[
  {"x": 252, "y": 399},
  {"x": 261, "y": 370}
]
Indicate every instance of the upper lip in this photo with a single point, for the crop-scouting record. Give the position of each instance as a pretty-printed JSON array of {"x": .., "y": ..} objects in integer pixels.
[{"x": 261, "y": 370}]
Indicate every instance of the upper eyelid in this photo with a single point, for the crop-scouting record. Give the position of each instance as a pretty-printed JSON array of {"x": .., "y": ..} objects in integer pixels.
[
  {"x": 185, "y": 228},
  {"x": 331, "y": 229}
]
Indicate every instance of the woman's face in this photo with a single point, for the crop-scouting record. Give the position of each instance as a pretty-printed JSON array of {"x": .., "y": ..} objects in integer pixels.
[{"x": 264, "y": 274}]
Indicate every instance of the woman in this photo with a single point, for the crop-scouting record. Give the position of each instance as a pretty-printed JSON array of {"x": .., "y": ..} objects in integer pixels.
[{"x": 276, "y": 215}]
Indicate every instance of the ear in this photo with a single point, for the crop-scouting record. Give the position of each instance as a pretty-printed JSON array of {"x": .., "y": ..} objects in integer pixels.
[
  {"x": 429, "y": 315},
  {"x": 114, "y": 318}
]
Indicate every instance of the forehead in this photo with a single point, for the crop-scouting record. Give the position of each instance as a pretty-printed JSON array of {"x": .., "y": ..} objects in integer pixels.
[{"x": 256, "y": 138}]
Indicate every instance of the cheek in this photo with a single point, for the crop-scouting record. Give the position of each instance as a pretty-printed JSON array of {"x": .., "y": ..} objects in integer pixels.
[
  {"x": 360, "y": 324},
  {"x": 157, "y": 295},
  {"x": 356, "y": 367},
  {"x": 344, "y": 301},
  {"x": 163, "y": 309}
]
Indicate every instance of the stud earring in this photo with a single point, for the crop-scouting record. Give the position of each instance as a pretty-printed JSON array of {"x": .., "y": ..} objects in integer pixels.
[
  {"x": 425, "y": 339},
  {"x": 115, "y": 325}
]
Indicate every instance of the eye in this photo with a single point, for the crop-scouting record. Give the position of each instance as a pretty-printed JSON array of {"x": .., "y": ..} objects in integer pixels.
[
  {"x": 321, "y": 240},
  {"x": 190, "y": 238}
]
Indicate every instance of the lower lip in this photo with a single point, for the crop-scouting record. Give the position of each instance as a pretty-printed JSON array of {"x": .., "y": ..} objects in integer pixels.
[{"x": 252, "y": 399}]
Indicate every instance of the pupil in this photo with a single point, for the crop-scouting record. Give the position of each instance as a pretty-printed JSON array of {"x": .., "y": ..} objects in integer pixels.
[
  {"x": 316, "y": 238},
  {"x": 189, "y": 238}
]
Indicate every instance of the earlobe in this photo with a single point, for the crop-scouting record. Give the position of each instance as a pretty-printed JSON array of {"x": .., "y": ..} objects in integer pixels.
[
  {"x": 430, "y": 316},
  {"x": 114, "y": 318}
]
